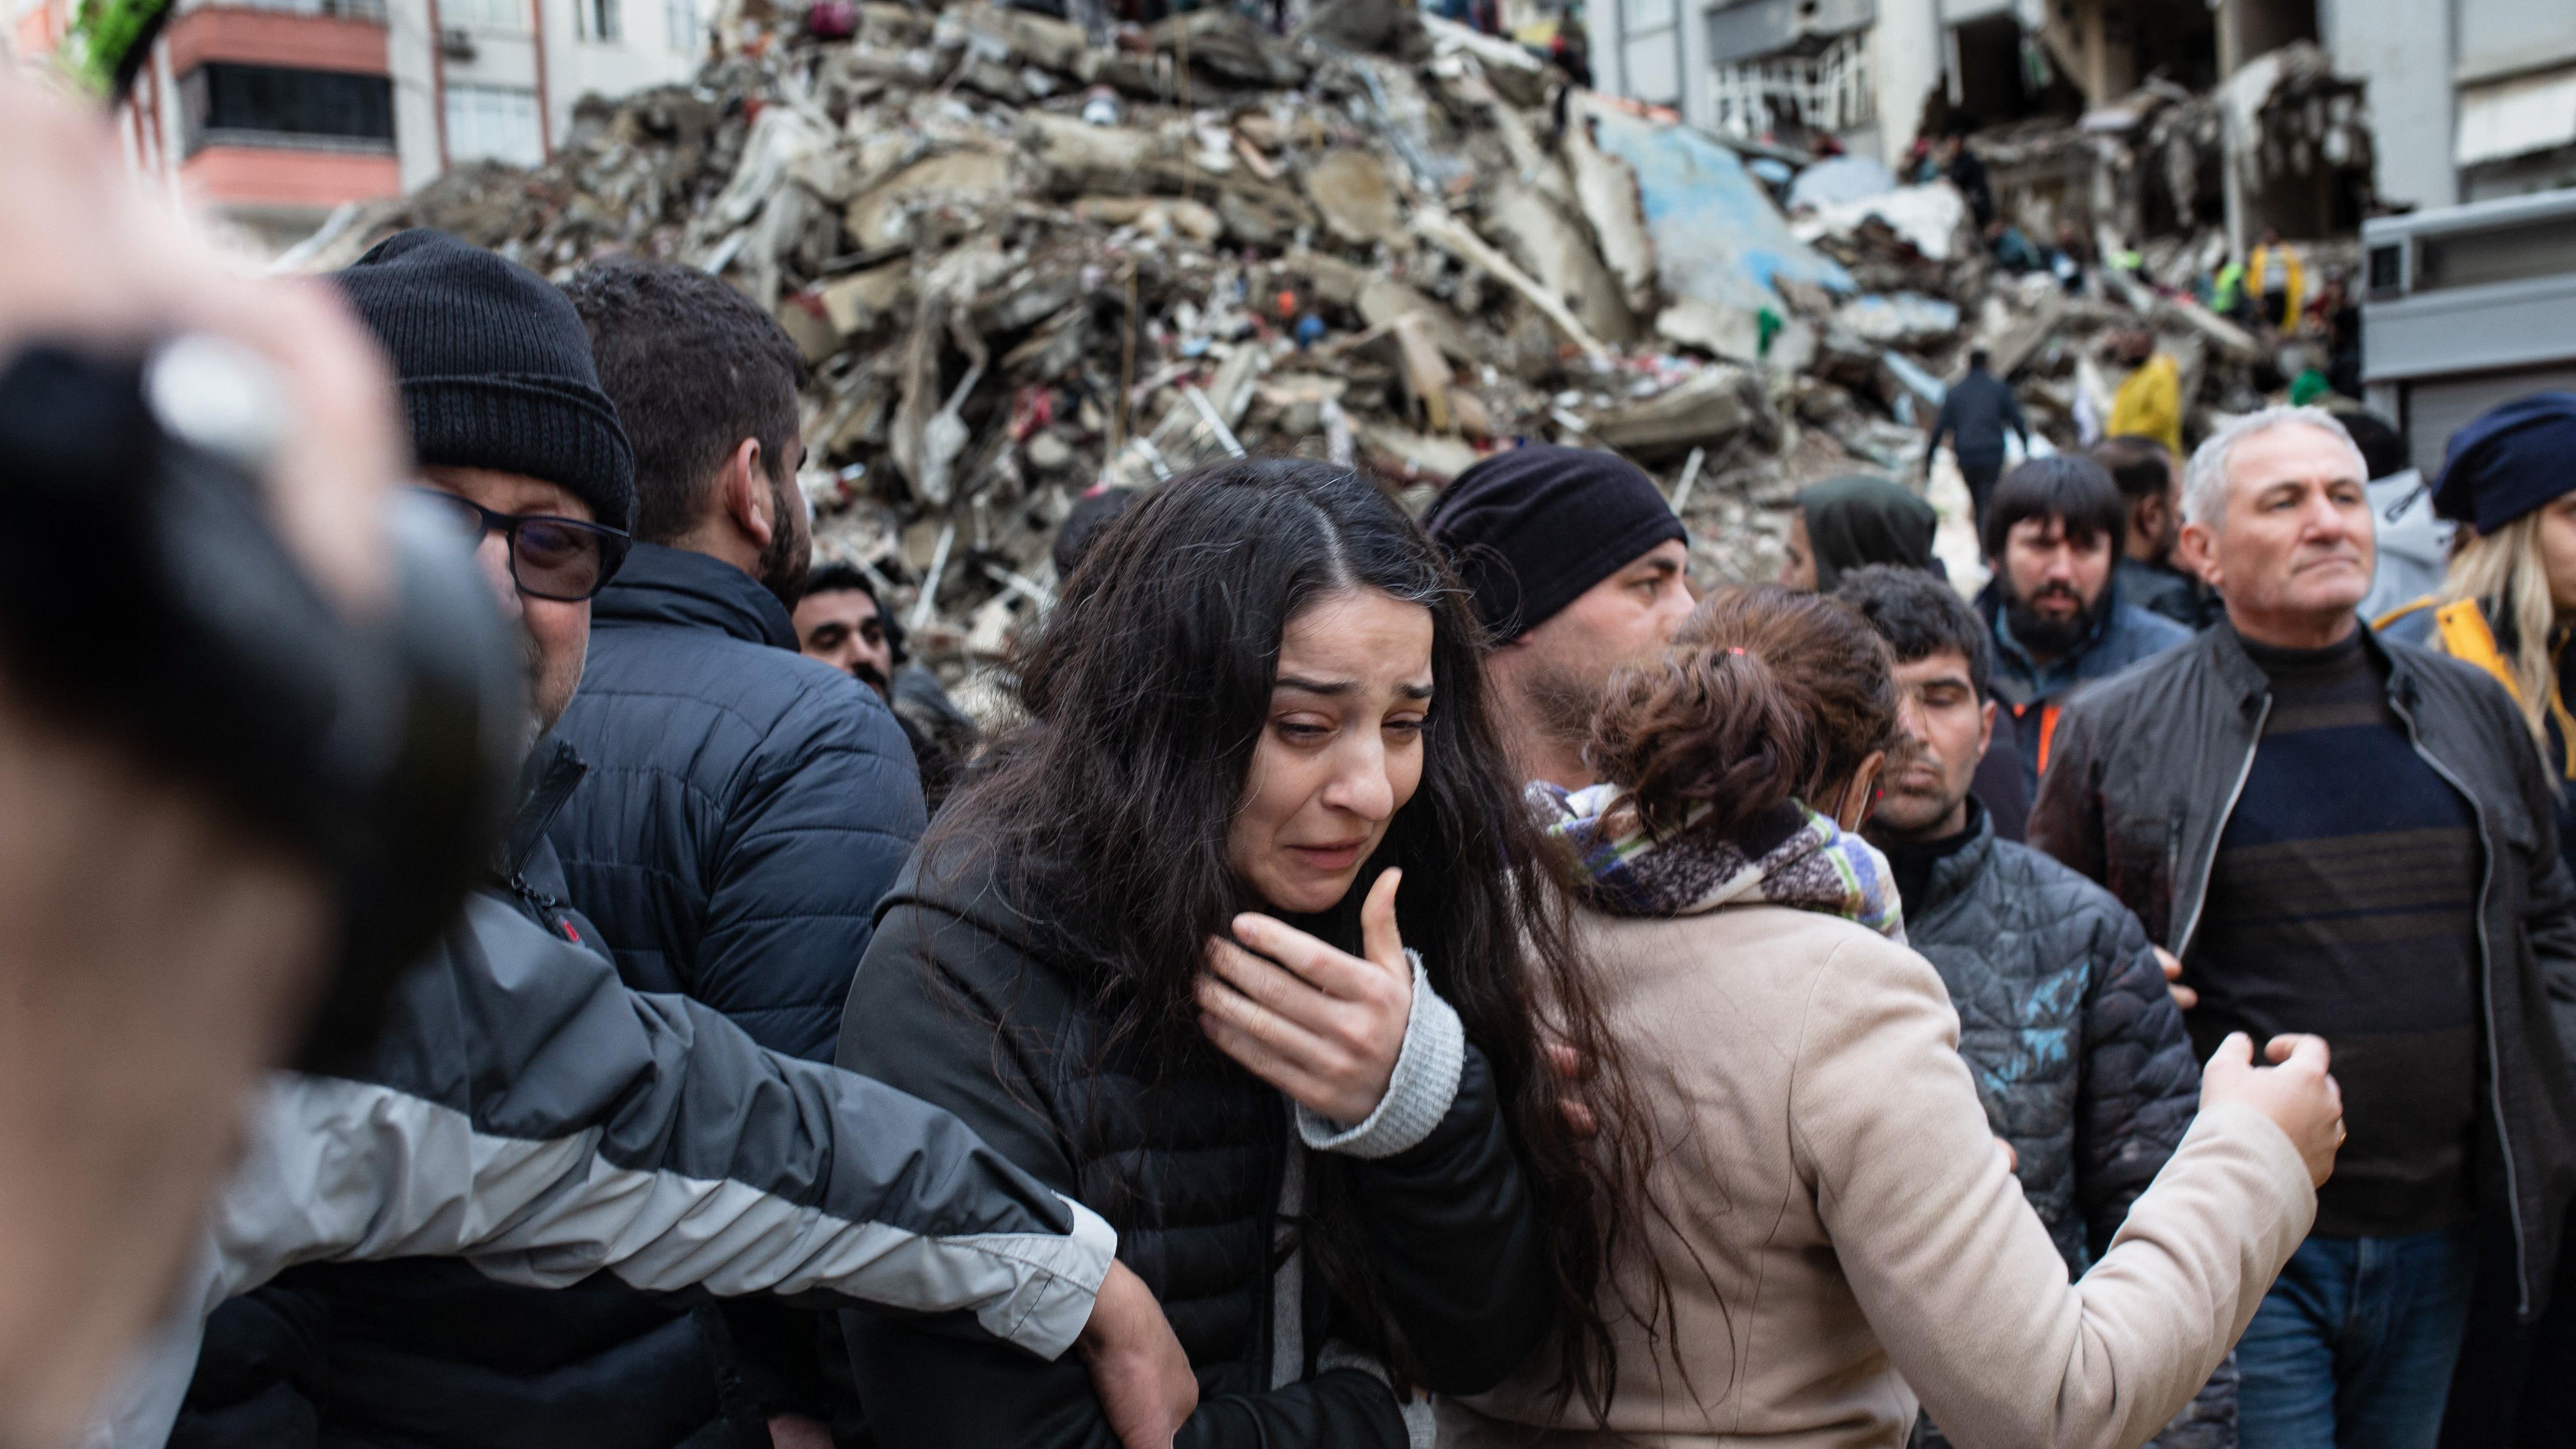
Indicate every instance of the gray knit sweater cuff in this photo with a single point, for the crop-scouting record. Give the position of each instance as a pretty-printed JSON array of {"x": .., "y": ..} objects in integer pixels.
[{"x": 1417, "y": 1096}]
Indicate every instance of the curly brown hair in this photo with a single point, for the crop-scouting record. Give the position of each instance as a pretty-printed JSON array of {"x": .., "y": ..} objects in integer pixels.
[{"x": 1766, "y": 695}]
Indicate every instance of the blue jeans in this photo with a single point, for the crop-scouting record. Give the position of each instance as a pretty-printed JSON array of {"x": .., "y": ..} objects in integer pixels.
[{"x": 2353, "y": 1347}]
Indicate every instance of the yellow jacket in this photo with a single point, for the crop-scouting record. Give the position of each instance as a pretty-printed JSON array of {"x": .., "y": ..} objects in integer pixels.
[
  {"x": 2149, "y": 404},
  {"x": 2294, "y": 283}
]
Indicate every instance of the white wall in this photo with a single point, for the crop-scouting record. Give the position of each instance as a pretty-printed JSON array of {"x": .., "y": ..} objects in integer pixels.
[
  {"x": 1906, "y": 51},
  {"x": 2402, "y": 48}
]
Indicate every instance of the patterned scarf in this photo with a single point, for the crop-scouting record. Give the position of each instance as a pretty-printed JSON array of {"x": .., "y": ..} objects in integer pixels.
[{"x": 1795, "y": 858}]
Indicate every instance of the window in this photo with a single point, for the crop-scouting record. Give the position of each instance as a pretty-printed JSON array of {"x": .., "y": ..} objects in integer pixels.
[
  {"x": 273, "y": 105},
  {"x": 680, "y": 26},
  {"x": 598, "y": 20},
  {"x": 493, "y": 123},
  {"x": 509, "y": 16}
]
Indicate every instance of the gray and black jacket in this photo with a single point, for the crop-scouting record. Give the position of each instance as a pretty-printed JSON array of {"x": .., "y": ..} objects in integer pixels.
[
  {"x": 2076, "y": 1047},
  {"x": 2146, "y": 770},
  {"x": 529, "y": 1115}
]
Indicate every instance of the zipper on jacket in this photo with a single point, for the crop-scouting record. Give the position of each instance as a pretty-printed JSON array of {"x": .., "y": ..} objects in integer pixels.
[
  {"x": 2486, "y": 999},
  {"x": 2235, "y": 792}
]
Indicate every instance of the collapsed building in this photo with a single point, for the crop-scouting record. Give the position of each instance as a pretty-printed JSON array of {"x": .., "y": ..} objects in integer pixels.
[{"x": 1022, "y": 261}]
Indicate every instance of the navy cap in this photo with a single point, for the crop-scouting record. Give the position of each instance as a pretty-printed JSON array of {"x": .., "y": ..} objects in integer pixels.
[{"x": 2509, "y": 461}]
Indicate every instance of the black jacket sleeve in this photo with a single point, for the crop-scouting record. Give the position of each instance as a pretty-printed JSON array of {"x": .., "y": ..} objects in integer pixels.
[
  {"x": 260, "y": 1375},
  {"x": 1459, "y": 1254},
  {"x": 921, "y": 1016},
  {"x": 822, "y": 816}
]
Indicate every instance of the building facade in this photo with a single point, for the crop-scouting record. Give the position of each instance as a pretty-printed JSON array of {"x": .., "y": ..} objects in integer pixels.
[
  {"x": 2470, "y": 99},
  {"x": 276, "y": 112}
]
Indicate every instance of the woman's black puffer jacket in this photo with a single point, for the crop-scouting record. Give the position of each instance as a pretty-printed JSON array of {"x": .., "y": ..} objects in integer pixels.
[{"x": 1187, "y": 1165}]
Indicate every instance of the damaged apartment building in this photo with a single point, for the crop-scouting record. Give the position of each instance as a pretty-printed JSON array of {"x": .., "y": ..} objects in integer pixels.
[{"x": 2216, "y": 119}]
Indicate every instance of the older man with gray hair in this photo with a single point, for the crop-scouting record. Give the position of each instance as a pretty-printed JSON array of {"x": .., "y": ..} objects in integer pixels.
[{"x": 2340, "y": 835}]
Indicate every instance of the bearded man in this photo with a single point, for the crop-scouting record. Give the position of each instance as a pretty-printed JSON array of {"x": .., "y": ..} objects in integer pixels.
[{"x": 2055, "y": 529}]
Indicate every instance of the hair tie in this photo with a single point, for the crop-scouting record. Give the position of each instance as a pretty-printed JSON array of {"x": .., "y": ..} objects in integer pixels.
[{"x": 1734, "y": 648}]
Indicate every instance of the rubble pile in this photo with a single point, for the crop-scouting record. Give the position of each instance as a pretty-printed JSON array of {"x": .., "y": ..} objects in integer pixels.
[{"x": 1022, "y": 260}]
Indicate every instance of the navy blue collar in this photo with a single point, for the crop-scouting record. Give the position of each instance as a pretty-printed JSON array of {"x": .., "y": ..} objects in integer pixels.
[{"x": 660, "y": 585}]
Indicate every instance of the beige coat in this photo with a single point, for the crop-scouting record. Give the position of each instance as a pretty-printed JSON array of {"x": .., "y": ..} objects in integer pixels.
[{"x": 1845, "y": 1234}]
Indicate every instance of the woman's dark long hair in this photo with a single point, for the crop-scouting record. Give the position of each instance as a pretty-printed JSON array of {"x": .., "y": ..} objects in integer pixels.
[{"x": 1108, "y": 816}]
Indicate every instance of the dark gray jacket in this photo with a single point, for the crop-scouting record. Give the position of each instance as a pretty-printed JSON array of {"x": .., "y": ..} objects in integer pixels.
[
  {"x": 527, "y": 1115},
  {"x": 2146, "y": 770},
  {"x": 2076, "y": 1048}
]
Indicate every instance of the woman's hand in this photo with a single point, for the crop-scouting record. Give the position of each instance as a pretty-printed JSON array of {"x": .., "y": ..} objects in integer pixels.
[
  {"x": 1321, "y": 1025},
  {"x": 2299, "y": 1094},
  {"x": 1137, "y": 1366}
]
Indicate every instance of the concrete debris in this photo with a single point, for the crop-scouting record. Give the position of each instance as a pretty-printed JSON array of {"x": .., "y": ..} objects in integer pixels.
[{"x": 1023, "y": 258}]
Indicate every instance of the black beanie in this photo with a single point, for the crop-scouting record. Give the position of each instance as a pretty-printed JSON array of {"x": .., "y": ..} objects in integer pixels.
[
  {"x": 1531, "y": 529},
  {"x": 495, "y": 368}
]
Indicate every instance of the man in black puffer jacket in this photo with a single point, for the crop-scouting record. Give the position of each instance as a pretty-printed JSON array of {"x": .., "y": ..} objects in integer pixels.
[
  {"x": 747, "y": 805},
  {"x": 2078, "y": 1051}
]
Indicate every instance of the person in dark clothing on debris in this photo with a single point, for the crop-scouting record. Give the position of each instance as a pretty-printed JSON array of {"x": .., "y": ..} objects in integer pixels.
[
  {"x": 1978, "y": 410},
  {"x": 2341, "y": 835},
  {"x": 2054, "y": 606},
  {"x": 2150, "y": 484},
  {"x": 2078, "y": 1052},
  {"x": 842, "y": 622},
  {"x": 1265, "y": 745}
]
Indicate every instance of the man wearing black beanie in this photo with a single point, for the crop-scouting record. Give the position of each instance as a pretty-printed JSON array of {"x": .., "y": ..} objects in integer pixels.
[
  {"x": 1574, "y": 564},
  {"x": 470, "y": 1238}
]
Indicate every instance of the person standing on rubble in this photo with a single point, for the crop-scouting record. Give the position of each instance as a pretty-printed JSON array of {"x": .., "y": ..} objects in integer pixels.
[
  {"x": 2151, "y": 489},
  {"x": 1975, "y": 415},
  {"x": 2340, "y": 834},
  {"x": 2077, "y": 1049},
  {"x": 1245, "y": 944},
  {"x": 2148, "y": 403},
  {"x": 2054, "y": 606},
  {"x": 2276, "y": 280},
  {"x": 1575, "y": 566}
]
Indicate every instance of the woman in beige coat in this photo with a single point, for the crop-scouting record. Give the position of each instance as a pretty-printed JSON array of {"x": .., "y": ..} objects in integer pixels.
[{"x": 1836, "y": 1235}]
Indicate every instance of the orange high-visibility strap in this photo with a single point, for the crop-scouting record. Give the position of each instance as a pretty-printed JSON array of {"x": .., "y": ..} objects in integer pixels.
[{"x": 2047, "y": 732}]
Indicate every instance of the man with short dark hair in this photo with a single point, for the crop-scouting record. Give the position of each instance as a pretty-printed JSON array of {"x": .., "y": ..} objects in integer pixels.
[
  {"x": 1575, "y": 566},
  {"x": 2150, "y": 485},
  {"x": 2354, "y": 838},
  {"x": 2077, "y": 1051},
  {"x": 843, "y": 622},
  {"x": 2054, "y": 605},
  {"x": 1975, "y": 414},
  {"x": 750, "y": 805}
]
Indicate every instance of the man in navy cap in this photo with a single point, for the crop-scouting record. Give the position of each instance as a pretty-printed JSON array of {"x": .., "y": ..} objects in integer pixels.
[{"x": 1574, "y": 564}]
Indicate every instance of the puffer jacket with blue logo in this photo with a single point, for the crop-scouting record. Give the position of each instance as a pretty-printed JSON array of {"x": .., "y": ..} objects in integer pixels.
[{"x": 2076, "y": 1047}]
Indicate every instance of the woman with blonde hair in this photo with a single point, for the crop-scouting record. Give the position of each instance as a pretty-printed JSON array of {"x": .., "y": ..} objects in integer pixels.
[
  {"x": 2510, "y": 480},
  {"x": 1832, "y": 1233},
  {"x": 2506, "y": 607}
]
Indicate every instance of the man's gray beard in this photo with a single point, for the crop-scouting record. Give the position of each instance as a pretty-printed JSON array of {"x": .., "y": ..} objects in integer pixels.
[{"x": 532, "y": 674}]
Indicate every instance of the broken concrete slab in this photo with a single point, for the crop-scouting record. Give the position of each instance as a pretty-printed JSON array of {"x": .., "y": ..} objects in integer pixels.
[
  {"x": 1355, "y": 197},
  {"x": 1557, "y": 250},
  {"x": 1707, "y": 409},
  {"x": 883, "y": 216}
]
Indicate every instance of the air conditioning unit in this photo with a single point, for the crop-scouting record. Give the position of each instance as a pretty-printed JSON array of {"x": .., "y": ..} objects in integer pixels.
[{"x": 456, "y": 44}]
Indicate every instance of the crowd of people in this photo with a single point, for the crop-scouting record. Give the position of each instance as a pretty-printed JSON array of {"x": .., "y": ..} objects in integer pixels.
[{"x": 1394, "y": 983}]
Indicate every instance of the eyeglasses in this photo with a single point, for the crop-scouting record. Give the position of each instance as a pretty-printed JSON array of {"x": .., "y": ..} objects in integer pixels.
[{"x": 563, "y": 559}]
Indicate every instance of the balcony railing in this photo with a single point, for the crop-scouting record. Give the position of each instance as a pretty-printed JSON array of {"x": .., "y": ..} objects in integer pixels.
[{"x": 369, "y": 12}]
